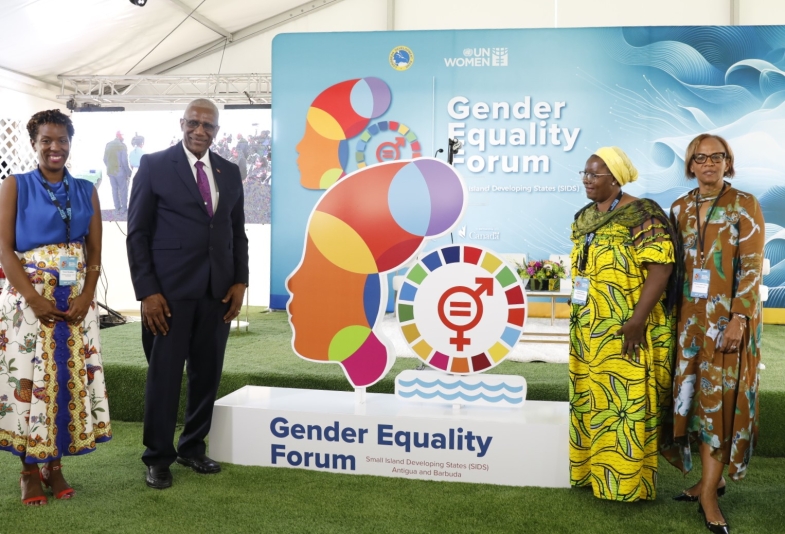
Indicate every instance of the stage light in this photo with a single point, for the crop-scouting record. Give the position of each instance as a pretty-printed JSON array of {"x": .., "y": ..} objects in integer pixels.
[{"x": 139, "y": 3}]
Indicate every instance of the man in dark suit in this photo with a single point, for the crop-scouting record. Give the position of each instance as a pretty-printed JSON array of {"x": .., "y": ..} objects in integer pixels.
[{"x": 188, "y": 254}]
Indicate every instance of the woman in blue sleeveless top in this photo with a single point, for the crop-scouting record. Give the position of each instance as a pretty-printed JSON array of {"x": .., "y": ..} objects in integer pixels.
[{"x": 52, "y": 391}]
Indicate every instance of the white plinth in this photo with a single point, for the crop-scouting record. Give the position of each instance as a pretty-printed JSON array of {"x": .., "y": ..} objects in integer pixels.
[{"x": 512, "y": 446}]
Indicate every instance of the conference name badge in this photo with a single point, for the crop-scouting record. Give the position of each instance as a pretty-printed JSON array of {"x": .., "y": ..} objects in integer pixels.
[
  {"x": 700, "y": 283},
  {"x": 68, "y": 270},
  {"x": 580, "y": 290}
]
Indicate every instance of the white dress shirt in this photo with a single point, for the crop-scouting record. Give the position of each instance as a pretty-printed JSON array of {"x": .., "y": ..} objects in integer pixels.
[{"x": 208, "y": 170}]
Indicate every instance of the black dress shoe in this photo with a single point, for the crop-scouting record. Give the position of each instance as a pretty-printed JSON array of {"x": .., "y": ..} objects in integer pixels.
[
  {"x": 201, "y": 464},
  {"x": 686, "y": 497},
  {"x": 159, "y": 477},
  {"x": 715, "y": 528}
]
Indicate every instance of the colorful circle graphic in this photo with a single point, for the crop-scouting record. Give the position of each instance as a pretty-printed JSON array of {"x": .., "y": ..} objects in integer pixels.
[
  {"x": 462, "y": 309},
  {"x": 391, "y": 150}
]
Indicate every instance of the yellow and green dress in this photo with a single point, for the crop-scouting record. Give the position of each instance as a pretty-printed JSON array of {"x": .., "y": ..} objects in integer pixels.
[{"x": 617, "y": 403}]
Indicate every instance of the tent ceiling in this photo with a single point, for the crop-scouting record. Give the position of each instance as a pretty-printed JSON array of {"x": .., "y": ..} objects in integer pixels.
[{"x": 46, "y": 38}]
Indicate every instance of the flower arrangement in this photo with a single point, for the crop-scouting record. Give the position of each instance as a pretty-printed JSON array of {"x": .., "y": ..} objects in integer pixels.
[
  {"x": 543, "y": 275},
  {"x": 542, "y": 270}
]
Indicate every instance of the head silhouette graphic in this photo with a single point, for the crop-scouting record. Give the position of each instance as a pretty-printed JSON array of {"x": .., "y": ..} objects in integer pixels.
[
  {"x": 340, "y": 112},
  {"x": 371, "y": 222}
]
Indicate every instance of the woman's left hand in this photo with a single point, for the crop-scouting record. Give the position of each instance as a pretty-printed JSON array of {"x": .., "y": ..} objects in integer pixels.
[
  {"x": 78, "y": 309},
  {"x": 634, "y": 337},
  {"x": 732, "y": 336}
]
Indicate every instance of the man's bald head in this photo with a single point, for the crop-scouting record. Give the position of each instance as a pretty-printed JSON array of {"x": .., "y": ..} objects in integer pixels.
[
  {"x": 199, "y": 125},
  {"x": 203, "y": 103}
]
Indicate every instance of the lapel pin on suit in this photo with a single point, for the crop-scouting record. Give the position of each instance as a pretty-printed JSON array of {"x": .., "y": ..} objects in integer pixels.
[{"x": 218, "y": 171}]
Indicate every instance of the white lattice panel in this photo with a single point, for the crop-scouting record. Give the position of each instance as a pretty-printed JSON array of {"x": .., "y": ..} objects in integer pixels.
[{"x": 16, "y": 154}]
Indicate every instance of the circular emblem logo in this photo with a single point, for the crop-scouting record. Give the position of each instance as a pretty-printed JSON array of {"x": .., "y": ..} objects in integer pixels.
[
  {"x": 462, "y": 309},
  {"x": 467, "y": 52},
  {"x": 401, "y": 57},
  {"x": 401, "y": 143}
]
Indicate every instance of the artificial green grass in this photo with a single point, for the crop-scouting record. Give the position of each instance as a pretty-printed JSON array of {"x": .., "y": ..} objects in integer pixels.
[
  {"x": 263, "y": 356},
  {"x": 112, "y": 497}
]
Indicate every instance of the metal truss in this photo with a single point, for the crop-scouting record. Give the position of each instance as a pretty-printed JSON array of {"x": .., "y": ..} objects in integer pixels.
[{"x": 166, "y": 89}]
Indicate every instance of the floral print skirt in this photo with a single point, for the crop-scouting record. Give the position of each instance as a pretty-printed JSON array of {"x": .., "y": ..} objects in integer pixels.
[{"x": 53, "y": 399}]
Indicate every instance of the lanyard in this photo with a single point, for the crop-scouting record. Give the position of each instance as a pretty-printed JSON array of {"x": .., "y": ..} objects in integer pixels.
[
  {"x": 590, "y": 236},
  {"x": 702, "y": 236},
  {"x": 64, "y": 213}
]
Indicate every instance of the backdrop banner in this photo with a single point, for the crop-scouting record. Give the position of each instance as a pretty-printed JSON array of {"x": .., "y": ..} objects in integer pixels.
[{"x": 530, "y": 106}]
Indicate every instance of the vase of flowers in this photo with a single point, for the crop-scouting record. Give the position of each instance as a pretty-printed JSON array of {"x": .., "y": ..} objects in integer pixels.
[{"x": 543, "y": 275}]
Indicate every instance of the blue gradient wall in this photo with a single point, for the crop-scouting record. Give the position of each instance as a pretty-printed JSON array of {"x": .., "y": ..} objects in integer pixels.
[{"x": 647, "y": 90}]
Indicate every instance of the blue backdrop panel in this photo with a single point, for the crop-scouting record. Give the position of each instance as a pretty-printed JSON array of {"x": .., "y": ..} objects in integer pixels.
[{"x": 530, "y": 106}]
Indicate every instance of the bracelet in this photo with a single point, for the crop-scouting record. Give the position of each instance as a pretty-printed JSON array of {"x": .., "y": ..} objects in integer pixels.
[
  {"x": 93, "y": 268},
  {"x": 741, "y": 317}
]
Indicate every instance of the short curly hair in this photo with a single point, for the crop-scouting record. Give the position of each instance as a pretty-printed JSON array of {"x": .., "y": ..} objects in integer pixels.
[{"x": 50, "y": 116}]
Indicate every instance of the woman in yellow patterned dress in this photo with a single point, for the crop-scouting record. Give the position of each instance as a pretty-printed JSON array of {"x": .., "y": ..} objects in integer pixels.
[
  {"x": 621, "y": 339},
  {"x": 719, "y": 326}
]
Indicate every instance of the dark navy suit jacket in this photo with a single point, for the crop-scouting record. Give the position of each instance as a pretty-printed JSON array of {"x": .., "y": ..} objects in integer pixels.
[{"x": 174, "y": 247}]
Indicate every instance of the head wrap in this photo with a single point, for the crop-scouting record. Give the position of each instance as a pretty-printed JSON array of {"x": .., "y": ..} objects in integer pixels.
[{"x": 618, "y": 163}]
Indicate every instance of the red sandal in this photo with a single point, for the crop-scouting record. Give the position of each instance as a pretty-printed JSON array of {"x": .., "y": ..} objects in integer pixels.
[
  {"x": 32, "y": 501},
  {"x": 66, "y": 493}
]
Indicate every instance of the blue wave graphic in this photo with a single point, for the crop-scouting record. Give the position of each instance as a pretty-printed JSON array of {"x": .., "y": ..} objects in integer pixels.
[
  {"x": 736, "y": 101},
  {"x": 453, "y": 385},
  {"x": 776, "y": 277},
  {"x": 772, "y": 230},
  {"x": 771, "y": 203},
  {"x": 720, "y": 45},
  {"x": 776, "y": 298},
  {"x": 680, "y": 60},
  {"x": 775, "y": 250},
  {"x": 724, "y": 80},
  {"x": 759, "y": 77},
  {"x": 773, "y": 35},
  {"x": 460, "y": 395},
  {"x": 774, "y": 100}
]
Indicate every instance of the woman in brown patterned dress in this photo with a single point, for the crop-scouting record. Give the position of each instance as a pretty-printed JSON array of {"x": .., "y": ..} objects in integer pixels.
[{"x": 719, "y": 325}]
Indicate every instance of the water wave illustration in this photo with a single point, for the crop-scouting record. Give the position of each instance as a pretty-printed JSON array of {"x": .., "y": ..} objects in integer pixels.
[
  {"x": 460, "y": 384},
  {"x": 460, "y": 395}
]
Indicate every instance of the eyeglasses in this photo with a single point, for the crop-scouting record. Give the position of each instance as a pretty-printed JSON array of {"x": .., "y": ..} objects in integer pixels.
[
  {"x": 590, "y": 176},
  {"x": 717, "y": 157},
  {"x": 193, "y": 125}
]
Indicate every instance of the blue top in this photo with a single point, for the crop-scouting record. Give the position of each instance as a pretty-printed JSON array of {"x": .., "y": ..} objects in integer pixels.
[
  {"x": 135, "y": 157},
  {"x": 38, "y": 222}
]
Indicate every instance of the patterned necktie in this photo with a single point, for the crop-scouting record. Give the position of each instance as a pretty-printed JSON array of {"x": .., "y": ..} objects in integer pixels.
[{"x": 204, "y": 187}]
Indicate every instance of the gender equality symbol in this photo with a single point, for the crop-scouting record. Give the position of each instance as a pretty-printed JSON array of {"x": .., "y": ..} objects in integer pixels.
[
  {"x": 387, "y": 150},
  {"x": 461, "y": 309}
]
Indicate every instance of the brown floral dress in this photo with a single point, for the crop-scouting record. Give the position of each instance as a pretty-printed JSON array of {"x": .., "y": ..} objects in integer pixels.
[{"x": 716, "y": 393}]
